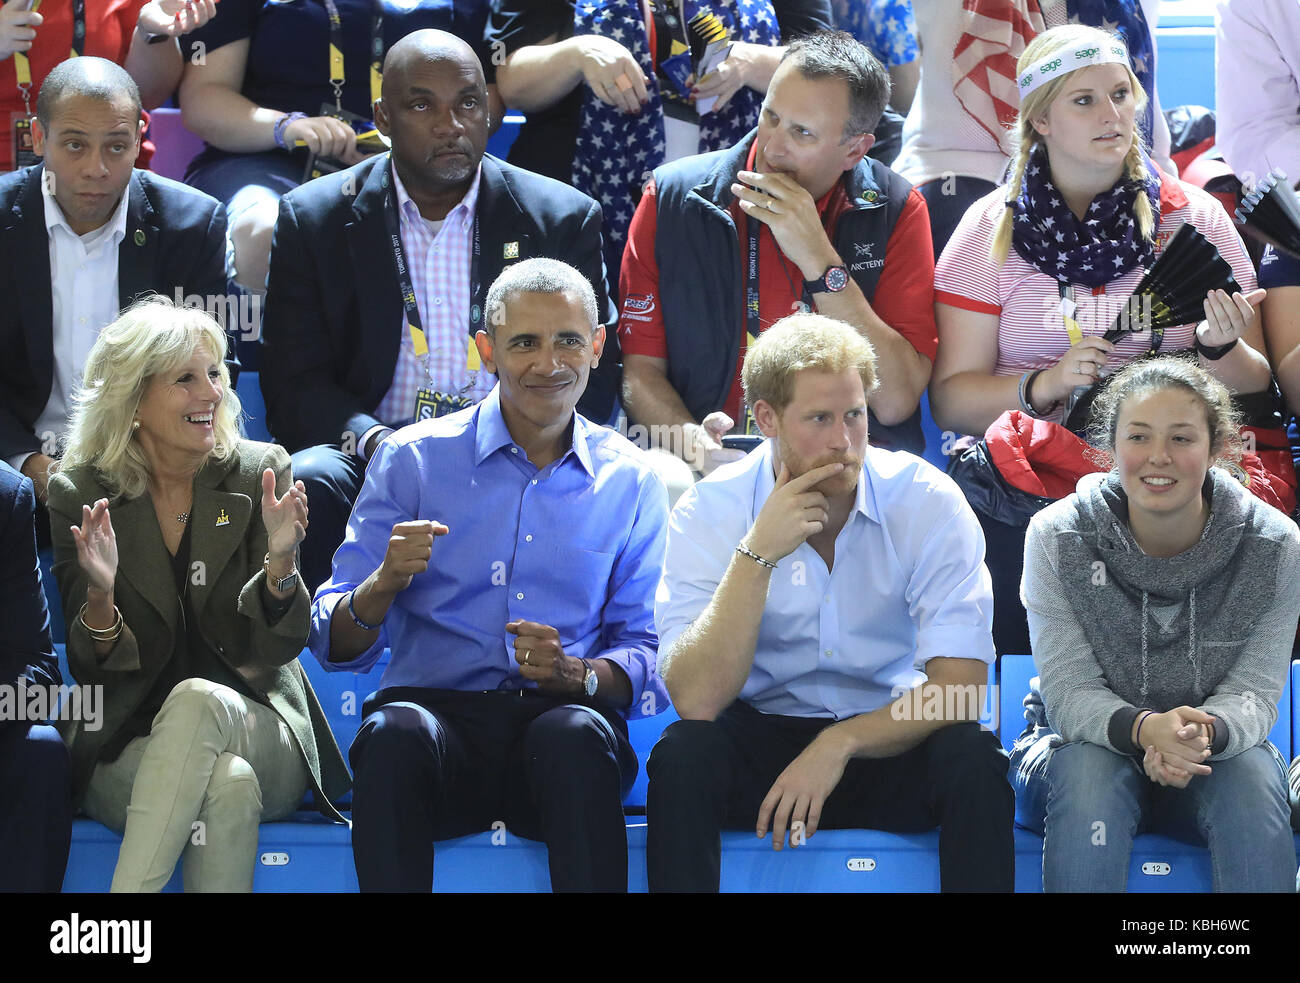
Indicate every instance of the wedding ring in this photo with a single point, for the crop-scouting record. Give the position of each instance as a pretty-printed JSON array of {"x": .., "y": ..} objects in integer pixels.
[
  {"x": 623, "y": 82},
  {"x": 527, "y": 653}
]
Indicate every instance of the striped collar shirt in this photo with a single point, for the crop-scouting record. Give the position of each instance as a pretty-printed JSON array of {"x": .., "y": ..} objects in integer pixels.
[{"x": 438, "y": 260}]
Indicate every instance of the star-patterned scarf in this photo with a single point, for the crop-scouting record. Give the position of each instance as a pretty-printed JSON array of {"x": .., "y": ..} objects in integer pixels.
[
  {"x": 1093, "y": 252},
  {"x": 615, "y": 152}
]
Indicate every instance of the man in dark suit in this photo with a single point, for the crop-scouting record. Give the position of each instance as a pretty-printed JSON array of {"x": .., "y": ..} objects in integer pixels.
[
  {"x": 82, "y": 235},
  {"x": 36, "y": 807},
  {"x": 378, "y": 275}
]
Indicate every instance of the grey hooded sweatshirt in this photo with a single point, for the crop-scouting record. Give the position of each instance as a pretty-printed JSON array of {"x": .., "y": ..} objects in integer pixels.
[{"x": 1115, "y": 631}]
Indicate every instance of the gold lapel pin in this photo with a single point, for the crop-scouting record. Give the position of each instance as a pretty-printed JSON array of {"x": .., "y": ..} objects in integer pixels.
[
  {"x": 510, "y": 250},
  {"x": 139, "y": 237},
  {"x": 223, "y": 519}
]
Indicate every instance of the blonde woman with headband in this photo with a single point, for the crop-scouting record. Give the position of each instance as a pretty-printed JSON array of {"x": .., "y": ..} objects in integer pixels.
[
  {"x": 175, "y": 545},
  {"x": 1037, "y": 271}
]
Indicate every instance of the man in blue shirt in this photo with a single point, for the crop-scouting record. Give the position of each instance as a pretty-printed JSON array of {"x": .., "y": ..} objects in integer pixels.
[
  {"x": 508, "y": 555},
  {"x": 825, "y": 621}
]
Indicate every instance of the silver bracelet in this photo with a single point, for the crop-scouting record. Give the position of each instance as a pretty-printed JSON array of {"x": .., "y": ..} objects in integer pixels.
[
  {"x": 1026, "y": 381},
  {"x": 755, "y": 557}
]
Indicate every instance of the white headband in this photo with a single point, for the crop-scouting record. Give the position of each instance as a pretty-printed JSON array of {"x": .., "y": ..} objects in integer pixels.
[{"x": 1069, "y": 60}]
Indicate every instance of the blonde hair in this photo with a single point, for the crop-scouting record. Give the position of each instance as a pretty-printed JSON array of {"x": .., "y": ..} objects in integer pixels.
[
  {"x": 803, "y": 342},
  {"x": 152, "y": 337},
  {"x": 1036, "y": 104}
]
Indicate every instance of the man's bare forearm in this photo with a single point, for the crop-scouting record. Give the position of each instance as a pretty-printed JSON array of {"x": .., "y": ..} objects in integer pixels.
[
  {"x": 899, "y": 726},
  {"x": 902, "y": 372},
  {"x": 347, "y": 638},
  {"x": 649, "y": 397},
  {"x": 708, "y": 665}
]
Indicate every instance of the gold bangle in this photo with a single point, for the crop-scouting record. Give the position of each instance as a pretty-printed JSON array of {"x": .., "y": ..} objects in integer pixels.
[{"x": 102, "y": 634}]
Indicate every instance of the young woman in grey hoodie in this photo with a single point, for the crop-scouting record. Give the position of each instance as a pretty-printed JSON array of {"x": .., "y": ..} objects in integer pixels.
[{"x": 1162, "y": 600}]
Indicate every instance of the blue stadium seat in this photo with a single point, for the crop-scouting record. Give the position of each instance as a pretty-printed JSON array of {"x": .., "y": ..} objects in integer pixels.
[
  {"x": 642, "y": 734},
  {"x": 249, "y": 391},
  {"x": 500, "y": 142},
  {"x": 934, "y": 437},
  {"x": 1295, "y": 710}
]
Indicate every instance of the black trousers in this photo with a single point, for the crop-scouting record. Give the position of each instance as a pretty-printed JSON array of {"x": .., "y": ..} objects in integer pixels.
[
  {"x": 433, "y": 764},
  {"x": 35, "y": 808},
  {"x": 333, "y": 481},
  {"x": 706, "y": 776}
]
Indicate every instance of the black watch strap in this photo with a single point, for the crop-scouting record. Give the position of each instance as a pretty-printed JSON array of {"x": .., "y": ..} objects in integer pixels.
[{"x": 835, "y": 279}]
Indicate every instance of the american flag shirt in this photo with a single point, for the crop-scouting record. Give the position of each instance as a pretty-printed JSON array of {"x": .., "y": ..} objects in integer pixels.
[{"x": 438, "y": 261}]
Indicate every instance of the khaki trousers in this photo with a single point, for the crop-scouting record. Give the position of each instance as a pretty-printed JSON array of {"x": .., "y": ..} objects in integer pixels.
[{"x": 213, "y": 766}]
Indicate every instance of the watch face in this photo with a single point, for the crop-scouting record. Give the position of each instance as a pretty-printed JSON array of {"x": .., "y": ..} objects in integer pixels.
[
  {"x": 589, "y": 683},
  {"x": 837, "y": 278}
]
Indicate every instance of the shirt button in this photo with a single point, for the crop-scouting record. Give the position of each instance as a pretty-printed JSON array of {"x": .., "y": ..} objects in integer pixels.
[
  {"x": 519, "y": 597},
  {"x": 528, "y": 539},
  {"x": 533, "y": 482},
  {"x": 514, "y": 450},
  {"x": 828, "y": 653},
  {"x": 437, "y": 300},
  {"x": 827, "y": 599}
]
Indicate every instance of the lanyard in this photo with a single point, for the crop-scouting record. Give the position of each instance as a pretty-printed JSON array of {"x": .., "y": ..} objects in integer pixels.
[
  {"x": 23, "y": 66},
  {"x": 413, "y": 323},
  {"x": 751, "y": 281},
  {"x": 337, "y": 75}
]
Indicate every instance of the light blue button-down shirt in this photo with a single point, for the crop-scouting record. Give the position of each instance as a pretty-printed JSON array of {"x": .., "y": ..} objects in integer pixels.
[
  {"x": 578, "y": 545},
  {"x": 908, "y": 585}
]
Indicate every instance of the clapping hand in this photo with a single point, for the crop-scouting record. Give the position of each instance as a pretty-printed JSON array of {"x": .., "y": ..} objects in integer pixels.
[
  {"x": 175, "y": 17},
  {"x": 97, "y": 546},
  {"x": 704, "y": 450},
  {"x": 285, "y": 517}
]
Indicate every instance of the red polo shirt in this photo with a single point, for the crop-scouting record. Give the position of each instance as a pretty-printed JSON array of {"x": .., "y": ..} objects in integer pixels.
[{"x": 904, "y": 296}]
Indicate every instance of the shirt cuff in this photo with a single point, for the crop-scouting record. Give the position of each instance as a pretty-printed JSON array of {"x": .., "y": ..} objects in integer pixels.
[
  {"x": 365, "y": 441},
  {"x": 1120, "y": 730},
  {"x": 1220, "y": 737}
]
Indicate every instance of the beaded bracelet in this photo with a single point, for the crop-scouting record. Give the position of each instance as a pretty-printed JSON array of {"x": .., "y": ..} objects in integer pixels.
[
  {"x": 282, "y": 124},
  {"x": 353, "y": 611},
  {"x": 755, "y": 557}
]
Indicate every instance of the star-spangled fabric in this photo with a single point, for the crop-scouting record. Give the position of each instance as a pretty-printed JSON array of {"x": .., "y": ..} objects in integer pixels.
[
  {"x": 1093, "y": 251},
  {"x": 887, "y": 27},
  {"x": 993, "y": 35},
  {"x": 616, "y": 152},
  {"x": 1125, "y": 18}
]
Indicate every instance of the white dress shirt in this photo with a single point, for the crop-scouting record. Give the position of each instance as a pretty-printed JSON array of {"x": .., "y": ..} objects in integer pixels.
[
  {"x": 84, "y": 299},
  {"x": 908, "y": 585}
]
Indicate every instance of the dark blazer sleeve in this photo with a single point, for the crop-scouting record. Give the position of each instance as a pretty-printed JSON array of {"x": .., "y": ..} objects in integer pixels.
[
  {"x": 305, "y": 405},
  {"x": 209, "y": 273},
  {"x": 65, "y": 501},
  {"x": 585, "y": 253},
  {"x": 25, "y": 646}
]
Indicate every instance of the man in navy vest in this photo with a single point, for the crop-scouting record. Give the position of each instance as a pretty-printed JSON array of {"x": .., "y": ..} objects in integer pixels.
[{"x": 794, "y": 217}]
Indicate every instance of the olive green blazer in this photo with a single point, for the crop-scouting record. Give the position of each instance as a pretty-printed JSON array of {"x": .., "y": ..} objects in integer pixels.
[{"x": 228, "y": 537}]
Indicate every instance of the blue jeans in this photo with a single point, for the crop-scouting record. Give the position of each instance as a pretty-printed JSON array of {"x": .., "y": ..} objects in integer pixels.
[{"x": 1240, "y": 811}]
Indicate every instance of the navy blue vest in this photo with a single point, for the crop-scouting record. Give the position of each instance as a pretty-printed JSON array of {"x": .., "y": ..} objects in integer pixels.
[{"x": 701, "y": 279}]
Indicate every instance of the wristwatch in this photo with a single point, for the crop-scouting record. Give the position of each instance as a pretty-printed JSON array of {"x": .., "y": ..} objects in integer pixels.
[
  {"x": 589, "y": 680},
  {"x": 835, "y": 279},
  {"x": 279, "y": 584}
]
